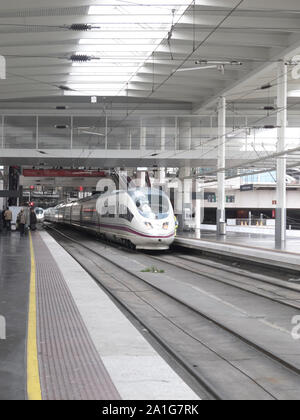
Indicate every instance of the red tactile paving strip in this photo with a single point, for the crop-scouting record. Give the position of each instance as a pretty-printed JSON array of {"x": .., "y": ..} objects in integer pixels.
[{"x": 70, "y": 366}]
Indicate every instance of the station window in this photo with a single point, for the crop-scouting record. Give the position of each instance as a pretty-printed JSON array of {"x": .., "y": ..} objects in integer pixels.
[
  {"x": 210, "y": 197},
  {"x": 230, "y": 199}
]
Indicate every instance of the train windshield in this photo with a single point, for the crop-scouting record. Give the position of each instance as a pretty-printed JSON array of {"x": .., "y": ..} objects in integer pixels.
[
  {"x": 151, "y": 203},
  {"x": 39, "y": 211}
]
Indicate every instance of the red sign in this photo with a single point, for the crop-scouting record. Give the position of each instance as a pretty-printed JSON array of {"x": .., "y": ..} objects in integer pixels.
[{"x": 63, "y": 173}]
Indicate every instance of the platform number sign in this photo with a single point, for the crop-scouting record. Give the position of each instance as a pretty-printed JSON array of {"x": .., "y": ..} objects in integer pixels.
[
  {"x": 2, "y": 328},
  {"x": 2, "y": 67}
]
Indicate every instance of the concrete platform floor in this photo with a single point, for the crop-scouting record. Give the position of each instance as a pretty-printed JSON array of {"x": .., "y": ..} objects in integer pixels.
[
  {"x": 14, "y": 291},
  {"x": 245, "y": 239},
  {"x": 69, "y": 341}
]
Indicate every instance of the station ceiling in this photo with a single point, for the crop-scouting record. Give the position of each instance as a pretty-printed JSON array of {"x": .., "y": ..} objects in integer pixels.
[
  {"x": 139, "y": 48},
  {"x": 163, "y": 57}
]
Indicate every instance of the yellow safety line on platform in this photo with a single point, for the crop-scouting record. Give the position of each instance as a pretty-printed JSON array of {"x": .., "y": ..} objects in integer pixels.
[{"x": 33, "y": 377}]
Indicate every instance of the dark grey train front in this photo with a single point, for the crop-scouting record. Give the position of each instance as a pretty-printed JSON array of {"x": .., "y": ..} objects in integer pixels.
[{"x": 141, "y": 217}]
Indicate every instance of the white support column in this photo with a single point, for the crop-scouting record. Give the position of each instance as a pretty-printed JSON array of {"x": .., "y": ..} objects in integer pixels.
[
  {"x": 72, "y": 132},
  {"x": 162, "y": 171},
  {"x": 198, "y": 208},
  {"x": 163, "y": 139},
  {"x": 280, "y": 234},
  {"x": 186, "y": 195},
  {"x": 3, "y": 134},
  {"x": 221, "y": 163},
  {"x": 37, "y": 133},
  {"x": 143, "y": 134},
  {"x": 142, "y": 178},
  {"x": 2, "y": 67},
  {"x": 176, "y": 134},
  {"x": 106, "y": 132}
]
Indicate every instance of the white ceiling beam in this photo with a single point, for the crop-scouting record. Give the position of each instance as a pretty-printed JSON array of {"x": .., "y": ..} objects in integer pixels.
[
  {"x": 11, "y": 5},
  {"x": 241, "y": 38},
  {"x": 253, "y": 78},
  {"x": 254, "y": 5},
  {"x": 219, "y": 52},
  {"x": 196, "y": 92},
  {"x": 243, "y": 22},
  {"x": 103, "y": 37}
]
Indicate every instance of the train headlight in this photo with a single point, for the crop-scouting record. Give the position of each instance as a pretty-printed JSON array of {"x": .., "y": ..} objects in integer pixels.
[
  {"x": 166, "y": 226},
  {"x": 149, "y": 225}
]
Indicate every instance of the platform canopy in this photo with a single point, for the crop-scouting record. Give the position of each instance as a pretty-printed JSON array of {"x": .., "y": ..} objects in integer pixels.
[
  {"x": 107, "y": 64},
  {"x": 139, "y": 48}
]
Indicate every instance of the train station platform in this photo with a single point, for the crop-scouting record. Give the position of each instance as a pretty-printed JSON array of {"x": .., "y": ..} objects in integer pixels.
[
  {"x": 246, "y": 246},
  {"x": 65, "y": 339}
]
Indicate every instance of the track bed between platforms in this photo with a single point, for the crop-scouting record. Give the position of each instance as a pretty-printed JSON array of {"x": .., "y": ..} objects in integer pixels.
[{"x": 237, "y": 343}]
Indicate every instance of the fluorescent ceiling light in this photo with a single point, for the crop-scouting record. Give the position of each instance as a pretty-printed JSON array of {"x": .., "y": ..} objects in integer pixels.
[
  {"x": 95, "y": 92},
  {"x": 106, "y": 35},
  {"x": 130, "y": 32},
  {"x": 116, "y": 42},
  {"x": 119, "y": 48},
  {"x": 105, "y": 72},
  {"x": 98, "y": 79}
]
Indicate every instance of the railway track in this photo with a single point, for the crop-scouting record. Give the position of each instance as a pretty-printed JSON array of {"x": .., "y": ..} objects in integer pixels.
[
  {"x": 280, "y": 291},
  {"x": 232, "y": 375}
]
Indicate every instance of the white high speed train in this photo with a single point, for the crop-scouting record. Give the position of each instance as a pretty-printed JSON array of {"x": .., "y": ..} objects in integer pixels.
[{"x": 141, "y": 218}]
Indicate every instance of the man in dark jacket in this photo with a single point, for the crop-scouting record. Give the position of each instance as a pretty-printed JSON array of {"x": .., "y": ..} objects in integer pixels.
[
  {"x": 22, "y": 222},
  {"x": 33, "y": 220}
]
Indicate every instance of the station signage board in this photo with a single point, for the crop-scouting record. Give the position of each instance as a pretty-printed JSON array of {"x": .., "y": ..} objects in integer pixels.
[
  {"x": 63, "y": 173},
  {"x": 249, "y": 187},
  {"x": 10, "y": 194}
]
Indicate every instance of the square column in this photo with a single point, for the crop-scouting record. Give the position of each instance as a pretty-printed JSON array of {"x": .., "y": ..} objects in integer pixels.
[
  {"x": 143, "y": 136},
  {"x": 221, "y": 165},
  {"x": 280, "y": 231},
  {"x": 199, "y": 209}
]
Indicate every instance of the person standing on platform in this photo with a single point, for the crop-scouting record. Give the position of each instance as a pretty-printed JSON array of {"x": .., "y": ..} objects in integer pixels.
[
  {"x": 33, "y": 220},
  {"x": 22, "y": 222},
  {"x": 8, "y": 219},
  {"x": 1, "y": 220}
]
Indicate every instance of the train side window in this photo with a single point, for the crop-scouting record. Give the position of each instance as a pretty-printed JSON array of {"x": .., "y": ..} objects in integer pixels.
[
  {"x": 111, "y": 212},
  {"x": 127, "y": 215}
]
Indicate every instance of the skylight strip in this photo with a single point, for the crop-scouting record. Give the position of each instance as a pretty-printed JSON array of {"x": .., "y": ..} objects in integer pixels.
[
  {"x": 141, "y": 29},
  {"x": 98, "y": 79},
  {"x": 132, "y": 10},
  {"x": 115, "y": 48},
  {"x": 138, "y": 34},
  {"x": 118, "y": 41},
  {"x": 135, "y": 19}
]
